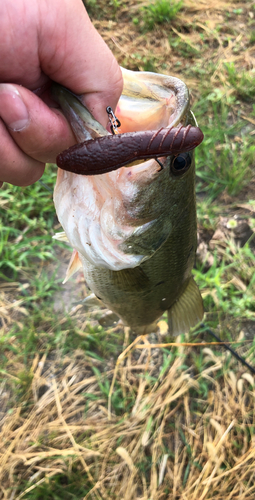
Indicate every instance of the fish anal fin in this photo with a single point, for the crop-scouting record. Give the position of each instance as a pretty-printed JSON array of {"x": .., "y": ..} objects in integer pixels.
[
  {"x": 109, "y": 319},
  {"x": 187, "y": 311},
  {"x": 74, "y": 266}
]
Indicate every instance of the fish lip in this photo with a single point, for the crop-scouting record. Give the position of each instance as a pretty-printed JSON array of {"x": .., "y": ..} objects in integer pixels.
[{"x": 159, "y": 81}]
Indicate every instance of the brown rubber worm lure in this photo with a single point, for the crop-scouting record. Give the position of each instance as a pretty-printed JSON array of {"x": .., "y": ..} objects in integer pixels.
[{"x": 111, "y": 152}]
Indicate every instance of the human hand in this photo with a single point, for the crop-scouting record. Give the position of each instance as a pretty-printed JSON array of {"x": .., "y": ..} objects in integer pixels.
[{"x": 41, "y": 41}]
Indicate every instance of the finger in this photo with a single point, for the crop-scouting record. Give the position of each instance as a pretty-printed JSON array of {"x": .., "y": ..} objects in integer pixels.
[
  {"x": 39, "y": 131},
  {"x": 15, "y": 166},
  {"x": 73, "y": 53}
]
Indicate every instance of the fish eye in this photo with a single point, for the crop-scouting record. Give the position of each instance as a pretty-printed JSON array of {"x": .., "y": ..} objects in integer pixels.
[{"x": 181, "y": 163}]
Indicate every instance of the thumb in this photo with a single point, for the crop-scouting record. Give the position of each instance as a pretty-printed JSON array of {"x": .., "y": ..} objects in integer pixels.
[{"x": 72, "y": 53}]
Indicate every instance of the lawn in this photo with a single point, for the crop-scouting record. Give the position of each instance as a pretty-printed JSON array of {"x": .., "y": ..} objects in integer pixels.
[{"x": 89, "y": 412}]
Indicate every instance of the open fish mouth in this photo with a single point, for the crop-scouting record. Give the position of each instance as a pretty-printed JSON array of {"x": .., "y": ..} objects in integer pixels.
[
  {"x": 148, "y": 112},
  {"x": 150, "y": 101},
  {"x": 119, "y": 219}
]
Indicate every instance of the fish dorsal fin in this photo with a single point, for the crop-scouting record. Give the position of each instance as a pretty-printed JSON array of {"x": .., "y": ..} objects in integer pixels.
[
  {"x": 74, "y": 266},
  {"x": 187, "y": 311}
]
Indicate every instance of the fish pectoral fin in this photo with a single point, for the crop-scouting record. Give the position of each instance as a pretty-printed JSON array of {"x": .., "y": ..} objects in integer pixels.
[
  {"x": 74, "y": 266},
  {"x": 187, "y": 311},
  {"x": 61, "y": 237},
  {"x": 130, "y": 279},
  {"x": 147, "y": 239}
]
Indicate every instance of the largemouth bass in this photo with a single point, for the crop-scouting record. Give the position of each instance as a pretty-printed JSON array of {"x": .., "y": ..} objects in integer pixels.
[{"x": 133, "y": 227}]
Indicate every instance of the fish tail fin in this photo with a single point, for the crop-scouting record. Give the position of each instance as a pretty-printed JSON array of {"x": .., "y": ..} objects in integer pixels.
[{"x": 187, "y": 311}]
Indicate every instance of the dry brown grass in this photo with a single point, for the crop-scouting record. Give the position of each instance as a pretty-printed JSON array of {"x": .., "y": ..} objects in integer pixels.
[
  {"x": 10, "y": 309},
  {"x": 170, "y": 443},
  {"x": 223, "y": 41}
]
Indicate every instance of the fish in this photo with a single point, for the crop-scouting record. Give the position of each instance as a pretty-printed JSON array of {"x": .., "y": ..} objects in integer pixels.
[{"x": 127, "y": 204}]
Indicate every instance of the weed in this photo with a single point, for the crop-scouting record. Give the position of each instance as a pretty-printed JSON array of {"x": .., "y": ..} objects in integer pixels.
[
  {"x": 237, "y": 11},
  {"x": 221, "y": 294},
  {"x": 70, "y": 485},
  {"x": 120, "y": 402},
  {"x": 159, "y": 12},
  {"x": 145, "y": 63},
  {"x": 225, "y": 159},
  {"x": 182, "y": 47},
  {"x": 243, "y": 82},
  {"x": 252, "y": 37},
  {"x": 24, "y": 379},
  {"x": 26, "y": 219},
  {"x": 97, "y": 9}
]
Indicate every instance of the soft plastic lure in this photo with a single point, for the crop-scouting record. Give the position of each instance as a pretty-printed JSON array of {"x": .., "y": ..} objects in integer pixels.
[{"x": 111, "y": 152}]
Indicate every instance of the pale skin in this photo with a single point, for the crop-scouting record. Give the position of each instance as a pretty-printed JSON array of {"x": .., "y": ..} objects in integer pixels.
[{"x": 40, "y": 41}]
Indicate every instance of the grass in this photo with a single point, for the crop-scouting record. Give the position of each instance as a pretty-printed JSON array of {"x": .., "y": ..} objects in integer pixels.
[
  {"x": 227, "y": 151},
  {"x": 242, "y": 82},
  {"x": 134, "y": 447},
  {"x": 218, "y": 284},
  {"x": 56, "y": 489},
  {"x": 26, "y": 226},
  {"x": 180, "y": 423},
  {"x": 157, "y": 12}
]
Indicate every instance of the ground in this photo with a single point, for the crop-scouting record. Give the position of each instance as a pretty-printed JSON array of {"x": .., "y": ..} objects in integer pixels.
[{"x": 89, "y": 412}]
